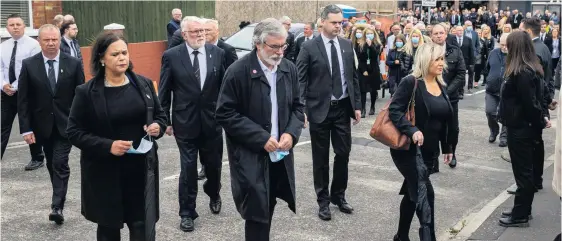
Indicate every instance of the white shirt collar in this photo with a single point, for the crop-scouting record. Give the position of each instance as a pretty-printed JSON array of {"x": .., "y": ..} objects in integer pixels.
[
  {"x": 326, "y": 40},
  {"x": 264, "y": 68},
  {"x": 201, "y": 50},
  {"x": 67, "y": 39},
  {"x": 217, "y": 42},
  {"x": 56, "y": 59}
]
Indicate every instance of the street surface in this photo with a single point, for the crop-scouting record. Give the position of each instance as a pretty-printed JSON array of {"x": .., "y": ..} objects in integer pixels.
[{"x": 374, "y": 182}]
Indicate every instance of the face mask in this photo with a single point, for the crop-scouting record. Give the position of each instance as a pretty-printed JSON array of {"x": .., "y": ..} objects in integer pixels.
[
  {"x": 399, "y": 44},
  {"x": 359, "y": 35},
  {"x": 469, "y": 29},
  {"x": 144, "y": 146},
  {"x": 278, "y": 155},
  {"x": 415, "y": 40},
  {"x": 370, "y": 36}
]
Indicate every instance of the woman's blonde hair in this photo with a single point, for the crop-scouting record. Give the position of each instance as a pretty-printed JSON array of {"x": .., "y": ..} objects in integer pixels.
[
  {"x": 489, "y": 35},
  {"x": 507, "y": 25},
  {"x": 409, "y": 46},
  {"x": 377, "y": 39},
  {"x": 425, "y": 55}
]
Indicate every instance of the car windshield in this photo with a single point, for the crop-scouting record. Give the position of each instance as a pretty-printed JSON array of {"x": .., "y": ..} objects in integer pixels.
[{"x": 242, "y": 39}]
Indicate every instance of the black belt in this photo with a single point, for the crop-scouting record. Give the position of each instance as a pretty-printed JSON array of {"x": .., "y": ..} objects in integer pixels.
[{"x": 338, "y": 102}]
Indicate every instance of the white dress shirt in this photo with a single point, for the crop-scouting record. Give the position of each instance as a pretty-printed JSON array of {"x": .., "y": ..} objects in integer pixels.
[
  {"x": 72, "y": 47},
  {"x": 328, "y": 46},
  {"x": 555, "y": 47},
  {"x": 55, "y": 66},
  {"x": 271, "y": 76},
  {"x": 202, "y": 57},
  {"x": 27, "y": 47}
]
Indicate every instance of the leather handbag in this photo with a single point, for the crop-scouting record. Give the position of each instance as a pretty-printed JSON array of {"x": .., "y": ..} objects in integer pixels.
[{"x": 385, "y": 131}]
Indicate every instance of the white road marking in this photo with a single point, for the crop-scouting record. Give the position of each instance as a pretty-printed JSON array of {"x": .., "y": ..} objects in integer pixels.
[
  {"x": 225, "y": 163},
  {"x": 18, "y": 144},
  {"x": 477, "y": 92},
  {"x": 473, "y": 221}
]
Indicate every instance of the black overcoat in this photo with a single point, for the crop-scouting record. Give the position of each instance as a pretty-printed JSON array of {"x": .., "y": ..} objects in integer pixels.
[
  {"x": 90, "y": 130},
  {"x": 244, "y": 111}
]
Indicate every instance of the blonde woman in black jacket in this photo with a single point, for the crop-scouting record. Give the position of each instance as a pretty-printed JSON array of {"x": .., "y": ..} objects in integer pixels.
[{"x": 432, "y": 131}]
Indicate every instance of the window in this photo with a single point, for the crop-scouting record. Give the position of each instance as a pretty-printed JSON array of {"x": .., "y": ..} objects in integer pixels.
[{"x": 21, "y": 7}]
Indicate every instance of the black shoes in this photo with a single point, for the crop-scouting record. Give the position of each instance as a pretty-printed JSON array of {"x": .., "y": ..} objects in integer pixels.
[
  {"x": 453, "y": 162},
  {"x": 492, "y": 138},
  {"x": 33, "y": 164},
  {"x": 324, "y": 213},
  {"x": 510, "y": 222},
  {"x": 201, "y": 175},
  {"x": 186, "y": 224},
  {"x": 343, "y": 205},
  {"x": 506, "y": 214},
  {"x": 363, "y": 112},
  {"x": 215, "y": 205},
  {"x": 56, "y": 216},
  {"x": 372, "y": 110},
  {"x": 503, "y": 143},
  {"x": 398, "y": 238}
]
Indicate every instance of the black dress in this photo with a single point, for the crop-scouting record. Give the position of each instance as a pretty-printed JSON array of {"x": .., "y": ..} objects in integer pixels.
[
  {"x": 439, "y": 112},
  {"x": 127, "y": 114}
]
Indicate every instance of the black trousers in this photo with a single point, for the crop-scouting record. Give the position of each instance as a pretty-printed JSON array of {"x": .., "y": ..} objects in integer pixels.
[
  {"x": 478, "y": 69},
  {"x": 210, "y": 150},
  {"x": 374, "y": 96},
  {"x": 278, "y": 184},
  {"x": 456, "y": 129},
  {"x": 470, "y": 69},
  {"x": 336, "y": 126},
  {"x": 8, "y": 112},
  {"x": 136, "y": 233},
  {"x": 57, "y": 149},
  {"x": 526, "y": 150},
  {"x": 408, "y": 207}
]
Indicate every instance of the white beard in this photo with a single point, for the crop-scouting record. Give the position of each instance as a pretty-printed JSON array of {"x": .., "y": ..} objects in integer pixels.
[{"x": 271, "y": 59}]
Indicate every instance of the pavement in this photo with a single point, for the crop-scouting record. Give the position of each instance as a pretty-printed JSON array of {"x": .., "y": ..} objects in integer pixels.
[{"x": 467, "y": 197}]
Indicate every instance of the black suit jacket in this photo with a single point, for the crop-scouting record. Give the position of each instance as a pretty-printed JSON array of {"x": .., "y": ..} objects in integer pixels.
[
  {"x": 289, "y": 53},
  {"x": 38, "y": 107},
  {"x": 229, "y": 53},
  {"x": 176, "y": 39},
  {"x": 65, "y": 48},
  {"x": 193, "y": 107},
  {"x": 298, "y": 45},
  {"x": 316, "y": 81},
  {"x": 467, "y": 49}
]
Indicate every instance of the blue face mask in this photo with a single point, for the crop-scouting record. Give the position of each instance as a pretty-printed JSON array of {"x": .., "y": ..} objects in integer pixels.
[
  {"x": 469, "y": 29},
  {"x": 144, "y": 146},
  {"x": 370, "y": 36},
  {"x": 415, "y": 40},
  {"x": 358, "y": 35},
  {"x": 399, "y": 44},
  {"x": 278, "y": 155}
]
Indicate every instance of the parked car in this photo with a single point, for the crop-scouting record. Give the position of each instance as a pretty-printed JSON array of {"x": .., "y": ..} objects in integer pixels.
[{"x": 242, "y": 40}]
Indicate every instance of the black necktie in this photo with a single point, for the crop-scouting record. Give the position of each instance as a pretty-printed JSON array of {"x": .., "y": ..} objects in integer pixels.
[
  {"x": 12, "y": 68},
  {"x": 337, "y": 89},
  {"x": 195, "y": 65},
  {"x": 51, "y": 75}
]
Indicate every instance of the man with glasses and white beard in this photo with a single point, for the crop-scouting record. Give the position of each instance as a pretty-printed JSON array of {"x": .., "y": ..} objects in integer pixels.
[
  {"x": 260, "y": 110},
  {"x": 190, "y": 80}
]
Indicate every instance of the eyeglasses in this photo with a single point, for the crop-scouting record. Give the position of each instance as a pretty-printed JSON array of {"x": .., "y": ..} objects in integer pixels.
[
  {"x": 196, "y": 32},
  {"x": 276, "y": 47}
]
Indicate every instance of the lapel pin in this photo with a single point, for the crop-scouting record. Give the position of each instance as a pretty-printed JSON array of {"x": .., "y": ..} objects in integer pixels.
[
  {"x": 210, "y": 56},
  {"x": 61, "y": 70},
  {"x": 147, "y": 96},
  {"x": 254, "y": 71}
]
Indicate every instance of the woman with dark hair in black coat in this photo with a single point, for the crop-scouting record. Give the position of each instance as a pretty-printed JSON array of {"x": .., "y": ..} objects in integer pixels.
[
  {"x": 426, "y": 90},
  {"x": 114, "y": 120},
  {"x": 525, "y": 117}
]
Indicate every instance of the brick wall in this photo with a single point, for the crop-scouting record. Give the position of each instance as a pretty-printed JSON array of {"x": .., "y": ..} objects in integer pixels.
[
  {"x": 146, "y": 58},
  {"x": 45, "y": 11}
]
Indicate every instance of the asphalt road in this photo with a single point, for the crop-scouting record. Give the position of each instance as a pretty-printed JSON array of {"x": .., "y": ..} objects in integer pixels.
[{"x": 374, "y": 182}]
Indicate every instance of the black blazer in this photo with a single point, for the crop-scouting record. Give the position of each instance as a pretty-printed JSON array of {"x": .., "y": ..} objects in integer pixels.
[
  {"x": 229, "y": 53},
  {"x": 38, "y": 107},
  {"x": 65, "y": 48},
  {"x": 455, "y": 73},
  {"x": 193, "y": 107},
  {"x": 90, "y": 129},
  {"x": 467, "y": 49},
  {"x": 289, "y": 52},
  {"x": 298, "y": 45},
  {"x": 315, "y": 78},
  {"x": 176, "y": 39},
  {"x": 521, "y": 98},
  {"x": 399, "y": 106}
]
